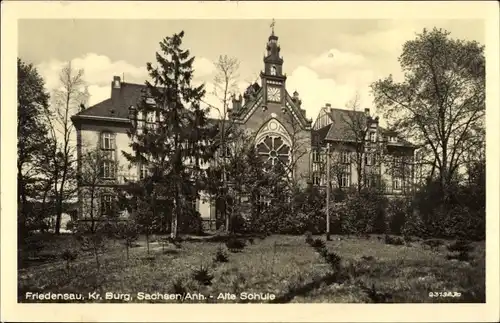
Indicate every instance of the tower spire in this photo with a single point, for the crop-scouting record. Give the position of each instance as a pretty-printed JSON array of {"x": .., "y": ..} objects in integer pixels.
[{"x": 272, "y": 27}]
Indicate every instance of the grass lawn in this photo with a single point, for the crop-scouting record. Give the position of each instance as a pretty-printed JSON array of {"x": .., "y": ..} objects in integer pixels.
[{"x": 284, "y": 266}]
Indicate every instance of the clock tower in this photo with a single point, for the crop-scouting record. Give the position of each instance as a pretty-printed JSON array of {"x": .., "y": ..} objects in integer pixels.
[{"x": 273, "y": 80}]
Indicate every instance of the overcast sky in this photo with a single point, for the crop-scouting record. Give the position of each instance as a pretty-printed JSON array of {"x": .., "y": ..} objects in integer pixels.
[{"x": 325, "y": 60}]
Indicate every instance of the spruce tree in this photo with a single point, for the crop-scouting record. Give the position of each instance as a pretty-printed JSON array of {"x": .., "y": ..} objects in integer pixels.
[{"x": 172, "y": 139}]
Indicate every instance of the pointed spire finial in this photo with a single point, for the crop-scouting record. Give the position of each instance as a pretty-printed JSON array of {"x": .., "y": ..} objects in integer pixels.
[{"x": 272, "y": 26}]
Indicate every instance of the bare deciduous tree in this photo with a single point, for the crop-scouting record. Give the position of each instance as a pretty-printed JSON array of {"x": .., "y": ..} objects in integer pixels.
[
  {"x": 225, "y": 85},
  {"x": 65, "y": 103}
]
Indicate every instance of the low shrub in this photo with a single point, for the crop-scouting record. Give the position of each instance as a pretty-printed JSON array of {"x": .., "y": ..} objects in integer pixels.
[
  {"x": 375, "y": 295},
  {"x": 235, "y": 245},
  {"x": 397, "y": 241},
  {"x": 308, "y": 236},
  {"x": 433, "y": 243},
  {"x": 69, "y": 256},
  {"x": 202, "y": 276},
  {"x": 221, "y": 256},
  {"x": 398, "y": 210},
  {"x": 128, "y": 233},
  {"x": 460, "y": 246},
  {"x": 461, "y": 256},
  {"x": 318, "y": 244},
  {"x": 178, "y": 288}
]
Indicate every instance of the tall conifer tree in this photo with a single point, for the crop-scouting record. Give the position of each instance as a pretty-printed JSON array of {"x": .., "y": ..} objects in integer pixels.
[{"x": 172, "y": 134}]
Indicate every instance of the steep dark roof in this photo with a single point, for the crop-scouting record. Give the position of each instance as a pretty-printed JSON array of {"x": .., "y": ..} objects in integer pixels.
[
  {"x": 340, "y": 128},
  {"x": 129, "y": 94},
  {"x": 317, "y": 136}
]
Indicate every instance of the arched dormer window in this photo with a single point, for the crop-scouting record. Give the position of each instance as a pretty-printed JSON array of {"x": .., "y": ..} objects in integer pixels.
[{"x": 273, "y": 70}]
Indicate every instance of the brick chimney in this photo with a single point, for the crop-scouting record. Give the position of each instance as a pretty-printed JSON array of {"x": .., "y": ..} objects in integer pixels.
[{"x": 116, "y": 85}]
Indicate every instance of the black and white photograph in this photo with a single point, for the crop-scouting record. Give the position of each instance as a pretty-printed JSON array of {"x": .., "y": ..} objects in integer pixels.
[{"x": 250, "y": 159}]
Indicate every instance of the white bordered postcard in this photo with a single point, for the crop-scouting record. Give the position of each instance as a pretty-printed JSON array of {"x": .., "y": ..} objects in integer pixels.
[{"x": 239, "y": 161}]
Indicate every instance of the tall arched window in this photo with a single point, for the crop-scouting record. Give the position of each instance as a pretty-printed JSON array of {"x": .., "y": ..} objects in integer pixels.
[{"x": 273, "y": 144}]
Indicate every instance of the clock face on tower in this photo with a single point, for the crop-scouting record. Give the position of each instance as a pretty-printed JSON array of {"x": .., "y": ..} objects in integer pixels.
[{"x": 273, "y": 94}]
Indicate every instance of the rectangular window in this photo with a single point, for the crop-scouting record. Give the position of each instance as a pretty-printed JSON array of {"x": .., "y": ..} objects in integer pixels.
[
  {"x": 397, "y": 161},
  {"x": 316, "y": 179},
  {"x": 397, "y": 183},
  {"x": 345, "y": 176},
  {"x": 140, "y": 125},
  {"x": 373, "y": 137},
  {"x": 225, "y": 151},
  {"x": 107, "y": 202},
  {"x": 263, "y": 201},
  {"x": 108, "y": 169},
  {"x": 345, "y": 180},
  {"x": 368, "y": 182},
  {"x": 315, "y": 156},
  {"x": 143, "y": 171},
  {"x": 151, "y": 120},
  {"x": 150, "y": 117},
  {"x": 107, "y": 141},
  {"x": 193, "y": 204},
  {"x": 370, "y": 159},
  {"x": 345, "y": 157}
]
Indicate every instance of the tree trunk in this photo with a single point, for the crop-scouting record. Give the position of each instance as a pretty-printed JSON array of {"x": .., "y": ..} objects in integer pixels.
[
  {"x": 173, "y": 229},
  {"x": 147, "y": 241},
  {"x": 226, "y": 213},
  {"x": 96, "y": 254},
  {"x": 58, "y": 215},
  {"x": 21, "y": 201}
]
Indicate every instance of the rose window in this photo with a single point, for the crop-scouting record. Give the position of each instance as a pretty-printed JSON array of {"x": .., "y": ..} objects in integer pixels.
[{"x": 273, "y": 150}]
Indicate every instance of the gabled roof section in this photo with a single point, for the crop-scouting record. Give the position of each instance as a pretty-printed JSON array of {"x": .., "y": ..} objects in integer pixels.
[
  {"x": 117, "y": 107},
  {"x": 299, "y": 113},
  {"x": 249, "y": 105},
  {"x": 341, "y": 129},
  {"x": 318, "y": 136},
  {"x": 128, "y": 95}
]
